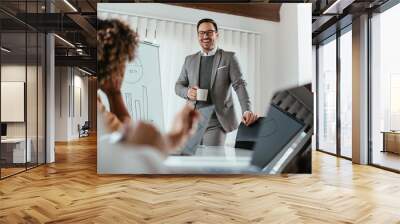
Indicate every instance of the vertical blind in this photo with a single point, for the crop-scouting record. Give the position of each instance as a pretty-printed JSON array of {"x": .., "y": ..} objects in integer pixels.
[{"x": 177, "y": 40}]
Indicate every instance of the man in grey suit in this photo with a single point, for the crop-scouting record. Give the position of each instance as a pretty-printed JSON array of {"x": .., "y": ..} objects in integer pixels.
[{"x": 215, "y": 70}]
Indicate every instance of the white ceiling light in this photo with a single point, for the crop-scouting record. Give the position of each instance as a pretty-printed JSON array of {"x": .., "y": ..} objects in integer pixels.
[
  {"x": 86, "y": 72},
  {"x": 65, "y": 41},
  {"x": 70, "y": 5},
  {"x": 5, "y": 50},
  {"x": 337, "y": 7}
]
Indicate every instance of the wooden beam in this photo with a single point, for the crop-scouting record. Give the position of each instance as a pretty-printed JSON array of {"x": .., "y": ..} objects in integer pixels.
[{"x": 262, "y": 11}]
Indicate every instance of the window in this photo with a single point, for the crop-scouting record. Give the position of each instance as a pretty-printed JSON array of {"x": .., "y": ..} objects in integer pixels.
[
  {"x": 346, "y": 94},
  {"x": 394, "y": 102},
  {"x": 327, "y": 97},
  {"x": 334, "y": 106},
  {"x": 385, "y": 89}
]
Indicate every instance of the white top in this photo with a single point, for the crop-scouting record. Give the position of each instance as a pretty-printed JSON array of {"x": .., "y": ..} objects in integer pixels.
[{"x": 118, "y": 158}]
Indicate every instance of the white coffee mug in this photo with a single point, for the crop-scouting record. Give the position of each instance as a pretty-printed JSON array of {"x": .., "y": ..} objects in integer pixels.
[{"x": 202, "y": 94}]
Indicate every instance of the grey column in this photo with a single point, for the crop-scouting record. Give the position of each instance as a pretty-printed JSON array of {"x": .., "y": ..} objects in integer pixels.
[
  {"x": 50, "y": 93},
  {"x": 360, "y": 90}
]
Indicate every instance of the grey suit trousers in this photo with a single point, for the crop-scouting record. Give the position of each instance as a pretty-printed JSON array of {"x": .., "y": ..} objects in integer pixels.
[{"x": 214, "y": 134}]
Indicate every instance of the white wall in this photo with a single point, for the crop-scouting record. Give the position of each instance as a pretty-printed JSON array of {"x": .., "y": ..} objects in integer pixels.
[
  {"x": 61, "y": 103},
  {"x": 287, "y": 50},
  {"x": 15, "y": 72},
  {"x": 294, "y": 49},
  {"x": 304, "y": 43},
  {"x": 294, "y": 46},
  {"x": 68, "y": 81}
]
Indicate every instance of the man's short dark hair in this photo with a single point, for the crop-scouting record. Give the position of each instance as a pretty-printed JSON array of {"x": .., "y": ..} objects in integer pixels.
[{"x": 207, "y": 20}]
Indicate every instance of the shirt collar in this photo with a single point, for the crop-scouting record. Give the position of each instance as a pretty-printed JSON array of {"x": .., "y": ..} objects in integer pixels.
[{"x": 210, "y": 53}]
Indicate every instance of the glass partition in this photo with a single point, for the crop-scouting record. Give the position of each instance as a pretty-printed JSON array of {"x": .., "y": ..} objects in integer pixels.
[
  {"x": 31, "y": 98},
  {"x": 41, "y": 96},
  {"x": 22, "y": 78},
  {"x": 14, "y": 145}
]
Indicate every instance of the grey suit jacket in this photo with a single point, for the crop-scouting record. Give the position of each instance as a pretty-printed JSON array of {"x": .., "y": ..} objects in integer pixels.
[{"x": 225, "y": 73}]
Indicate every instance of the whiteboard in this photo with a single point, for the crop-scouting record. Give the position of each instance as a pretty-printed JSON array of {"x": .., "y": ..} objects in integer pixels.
[
  {"x": 12, "y": 101},
  {"x": 142, "y": 86},
  {"x": 142, "y": 95}
]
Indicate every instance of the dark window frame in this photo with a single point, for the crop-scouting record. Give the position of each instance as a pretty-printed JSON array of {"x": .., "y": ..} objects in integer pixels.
[{"x": 334, "y": 37}]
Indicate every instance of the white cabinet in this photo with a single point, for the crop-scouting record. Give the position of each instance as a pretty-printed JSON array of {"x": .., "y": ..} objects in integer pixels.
[{"x": 17, "y": 145}]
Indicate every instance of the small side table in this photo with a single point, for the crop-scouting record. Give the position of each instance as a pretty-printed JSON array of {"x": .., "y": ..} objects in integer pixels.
[{"x": 391, "y": 141}]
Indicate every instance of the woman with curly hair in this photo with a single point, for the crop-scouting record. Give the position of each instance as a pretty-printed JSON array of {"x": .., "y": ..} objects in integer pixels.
[{"x": 117, "y": 45}]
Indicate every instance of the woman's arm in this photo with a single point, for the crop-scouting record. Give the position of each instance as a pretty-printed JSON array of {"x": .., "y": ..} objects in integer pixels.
[
  {"x": 143, "y": 133},
  {"x": 117, "y": 106},
  {"x": 112, "y": 88},
  {"x": 111, "y": 122}
]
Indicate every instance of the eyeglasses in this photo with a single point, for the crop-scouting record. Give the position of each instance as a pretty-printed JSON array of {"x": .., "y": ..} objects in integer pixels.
[{"x": 208, "y": 32}]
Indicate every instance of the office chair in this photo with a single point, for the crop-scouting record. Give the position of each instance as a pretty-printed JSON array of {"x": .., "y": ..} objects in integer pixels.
[
  {"x": 84, "y": 130},
  {"x": 246, "y": 136}
]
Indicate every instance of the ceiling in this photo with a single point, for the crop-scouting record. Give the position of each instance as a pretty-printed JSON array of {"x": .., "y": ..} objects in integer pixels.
[
  {"x": 74, "y": 22},
  {"x": 333, "y": 15},
  {"x": 19, "y": 54}
]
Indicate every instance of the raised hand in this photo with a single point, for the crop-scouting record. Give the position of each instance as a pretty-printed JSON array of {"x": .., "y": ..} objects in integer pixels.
[{"x": 249, "y": 118}]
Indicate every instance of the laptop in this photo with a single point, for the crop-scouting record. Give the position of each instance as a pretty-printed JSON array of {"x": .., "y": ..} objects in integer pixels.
[
  {"x": 246, "y": 136},
  {"x": 281, "y": 136}
]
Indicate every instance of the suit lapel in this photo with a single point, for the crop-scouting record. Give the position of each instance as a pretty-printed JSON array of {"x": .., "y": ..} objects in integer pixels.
[
  {"x": 196, "y": 67},
  {"x": 216, "y": 61}
]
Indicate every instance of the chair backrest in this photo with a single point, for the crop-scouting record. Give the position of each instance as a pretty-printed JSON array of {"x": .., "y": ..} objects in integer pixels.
[
  {"x": 247, "y": 135},
  {"x": 86, "y": 125}
]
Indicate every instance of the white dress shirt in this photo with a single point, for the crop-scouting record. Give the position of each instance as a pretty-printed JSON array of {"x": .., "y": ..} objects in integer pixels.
[{"x": 210, "y": 53}]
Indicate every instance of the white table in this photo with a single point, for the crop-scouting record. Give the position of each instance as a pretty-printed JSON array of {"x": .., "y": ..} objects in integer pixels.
[
  {"x": 118, "y": 158},
  {"x": 209, "y": 158},
  {"x": 19, "y": 154},
  {"x": 222, "y": 151},
  {"x": 224, "y": 159}
]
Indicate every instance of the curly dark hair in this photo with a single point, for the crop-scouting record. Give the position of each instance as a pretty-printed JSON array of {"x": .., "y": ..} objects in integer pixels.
[{"x": 116, "y": 43}]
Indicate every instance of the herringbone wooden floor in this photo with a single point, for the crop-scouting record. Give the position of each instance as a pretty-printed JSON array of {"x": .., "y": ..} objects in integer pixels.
[{"x": 70, "y": 191}]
